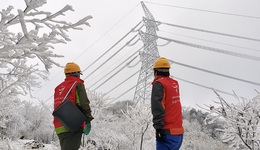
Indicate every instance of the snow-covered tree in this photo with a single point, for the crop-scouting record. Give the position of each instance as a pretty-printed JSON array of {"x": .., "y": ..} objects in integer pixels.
[
  {"x": 105, "y": 128},
  {"x": 25, "y": 120},
  {"x": 119, "y": 126},
  {"x": 195, "y": 139},
  {"x": 139, "y": 119},
  {"x": 242, "y": 121},
  {"x": 111, "y": 129},
  {"x": 27, "y": 40}
]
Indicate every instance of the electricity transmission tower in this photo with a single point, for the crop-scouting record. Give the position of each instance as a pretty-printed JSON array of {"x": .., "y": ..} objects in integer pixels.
[{"x": 148, "y": 55}]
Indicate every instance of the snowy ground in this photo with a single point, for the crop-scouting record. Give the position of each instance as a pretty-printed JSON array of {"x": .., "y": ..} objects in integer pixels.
[{"x": 25, "y": 145}]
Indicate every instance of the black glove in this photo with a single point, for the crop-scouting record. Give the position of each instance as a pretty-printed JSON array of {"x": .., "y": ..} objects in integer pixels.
[{"x": 160, "y": 136}]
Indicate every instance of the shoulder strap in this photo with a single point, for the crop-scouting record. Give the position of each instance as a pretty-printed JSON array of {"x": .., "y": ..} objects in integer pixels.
[{"x": 69, "y": 91}]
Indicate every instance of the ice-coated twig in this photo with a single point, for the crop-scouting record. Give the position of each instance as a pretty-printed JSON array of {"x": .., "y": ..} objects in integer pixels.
[{"x": 38, "y": 32}]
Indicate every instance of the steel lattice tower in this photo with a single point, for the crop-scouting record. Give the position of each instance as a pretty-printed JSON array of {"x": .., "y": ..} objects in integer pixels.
[{"x": 148, "y": 55}]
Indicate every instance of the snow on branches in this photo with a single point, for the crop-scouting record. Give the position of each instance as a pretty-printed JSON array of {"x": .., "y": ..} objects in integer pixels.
[
  {"x": 29, "y": 36},
  {"x": 140, "y": 120},
  {"x": 242, "y": 121}
]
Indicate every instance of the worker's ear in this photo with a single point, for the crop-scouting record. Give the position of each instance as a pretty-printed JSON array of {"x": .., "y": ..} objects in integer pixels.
[
  {"x": 78, "y": 75},
  {"x": 155, "y": 73}
]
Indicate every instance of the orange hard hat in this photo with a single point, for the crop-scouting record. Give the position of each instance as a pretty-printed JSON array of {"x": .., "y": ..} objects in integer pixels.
[
  {"x": 161, "y": 63},
  {"x": 71, "y": 67}
]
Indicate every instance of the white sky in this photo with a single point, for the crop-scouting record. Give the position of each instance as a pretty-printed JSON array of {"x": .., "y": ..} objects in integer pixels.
[{"x": 113, "y": 19}]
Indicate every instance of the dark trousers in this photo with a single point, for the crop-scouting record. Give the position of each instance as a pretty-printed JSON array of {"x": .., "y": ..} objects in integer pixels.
[
  {"x": 70, "y": 140},
  {"x": 171, "y": 142}
]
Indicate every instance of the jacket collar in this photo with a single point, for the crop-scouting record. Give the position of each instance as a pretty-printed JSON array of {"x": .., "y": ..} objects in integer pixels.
[
  {"x": 72, "y": 78},
  {"x": 156, "y": 78}
]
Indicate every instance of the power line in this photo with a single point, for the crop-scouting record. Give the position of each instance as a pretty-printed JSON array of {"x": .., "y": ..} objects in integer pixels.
[
  {"x": 203, "y": 86},
  {"x": 123, "y": 81},
  {"x": 215, "y": 73},
  {"x": 128, "y": 89},
  {"x": 107, "y": 31},
  {"x": 48, "y": 99},
  {"x": 112, "y": 46},
  {"x": 203, "y": 10},
  {"x": 211, "y": 49},
  {"x": 112, "y": 56},
  {"x": 114, "y": 74},
  {"x": 208, "y": 31},
  {"x": 200, "y": 85},
  {"x": 250, "y": 82},
  {"x": 171, "y": 61},
  {"x": 123, "y": 94},
  {"x": 211, "y": 41},
  {"x": 116, "y": 67},
  {"x": 133, "y": 86},
  {"x": 119, "y": 64},
  {"x": 119, "y": 70}
]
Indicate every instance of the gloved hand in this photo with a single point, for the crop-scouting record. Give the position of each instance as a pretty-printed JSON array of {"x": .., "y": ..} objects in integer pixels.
[
  {"x": 160, "y": 136},
  {"x": 87, "y": 128}
]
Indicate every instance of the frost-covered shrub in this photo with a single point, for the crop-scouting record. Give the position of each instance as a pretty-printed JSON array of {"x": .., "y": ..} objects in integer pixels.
[
  {"x": 119, "y": 106},
  {"x": 138, "y": 127},
  {"x": 23, "y": 119},
  {"x": 241, "y": 128},
  {"x": 195, "y": 139}
]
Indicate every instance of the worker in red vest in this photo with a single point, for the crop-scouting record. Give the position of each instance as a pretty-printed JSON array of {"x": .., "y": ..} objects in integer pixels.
[
  {"x": 71, "y": 140},
  {"x": 166, "y": 108}
]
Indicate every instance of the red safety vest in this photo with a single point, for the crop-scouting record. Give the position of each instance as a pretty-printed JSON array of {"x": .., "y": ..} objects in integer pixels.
[
  {"x": 60, "y": 92},
  {"x": 171, "y": 103}
]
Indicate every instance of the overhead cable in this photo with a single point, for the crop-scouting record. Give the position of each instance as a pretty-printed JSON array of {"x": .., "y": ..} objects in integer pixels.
[
  {"x": 203, "y": 10},
  {"x": 128, "y": 66},
  {"x": 206, "y": 87},
  {"x": 123, "y": 94},
  {"x": 215, "y": 73},
  {"x": 119, "y": 70},
  {"x": 211, "y": 49},
  {"x": 119, "y": 64},
  {"x": 48, "y": 99},
  {"x": 108, "y": 31},
  {"x": 167, "y": 42},
  {"x": 112, "y": 56},
  {"x": 208, "y": 31},
  {"x": 210, "y": 41},
  {"x": 203, "y": 86},
  {"x": 131, "y": 87},
  {"x": 214, "y": 49},
  {"x": 113, "y": 75},
  {"x": 187, "y": 80},
  {"x": 127, "y": 90},
  {"x": 112, "y": 89},
  {"x": 112, "y": 46}
]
